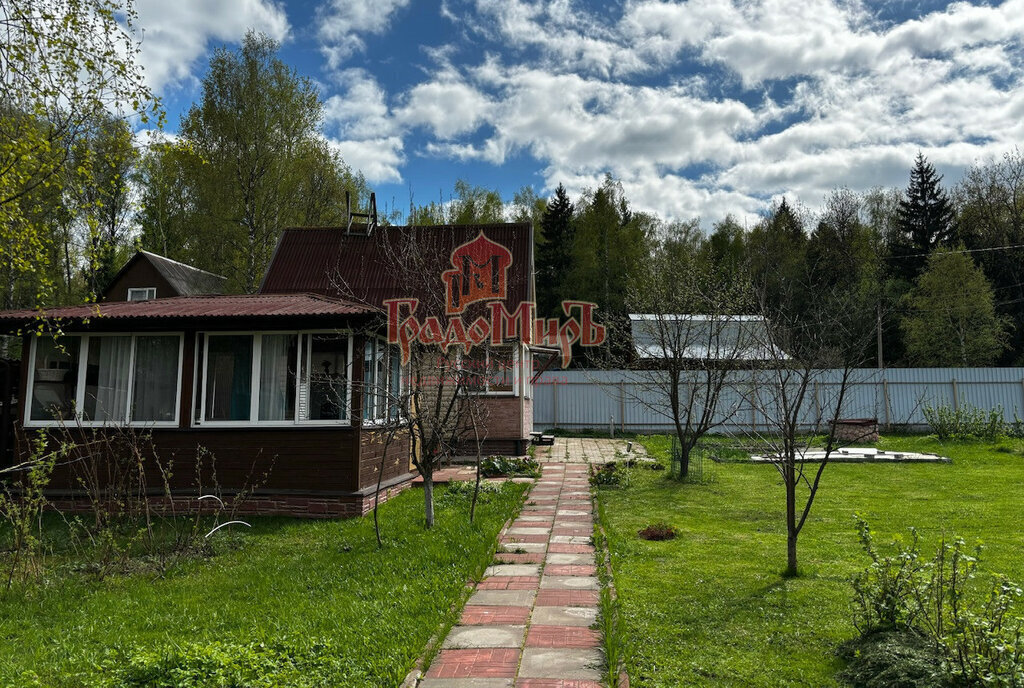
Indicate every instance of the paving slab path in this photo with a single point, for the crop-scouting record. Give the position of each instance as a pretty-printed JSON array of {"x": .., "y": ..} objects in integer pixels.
[{"x": 528, "y": 623}]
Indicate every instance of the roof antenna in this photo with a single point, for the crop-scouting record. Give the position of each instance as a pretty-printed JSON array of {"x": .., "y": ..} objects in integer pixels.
[{"x": 368, "y": 219}]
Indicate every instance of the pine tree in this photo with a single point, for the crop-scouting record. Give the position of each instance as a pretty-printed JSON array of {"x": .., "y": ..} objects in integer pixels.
[
  {"x": 925, "y": 219},
  {"x": 554, "y": 256}
]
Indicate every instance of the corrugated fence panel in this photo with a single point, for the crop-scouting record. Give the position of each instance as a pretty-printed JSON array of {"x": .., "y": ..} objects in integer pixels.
[{"x": 627, "y": 400}]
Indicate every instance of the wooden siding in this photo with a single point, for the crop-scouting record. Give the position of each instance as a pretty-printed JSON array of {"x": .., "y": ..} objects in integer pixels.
[{"x": 138, "y": 275}]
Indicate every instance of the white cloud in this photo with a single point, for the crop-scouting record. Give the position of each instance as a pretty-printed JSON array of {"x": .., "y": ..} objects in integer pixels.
[
  {"x": 853, "y": 99},
  {"x": 176, "y": 34},
  {"x": 377, "y": 159},
  {"x": 344, "y": 22}
]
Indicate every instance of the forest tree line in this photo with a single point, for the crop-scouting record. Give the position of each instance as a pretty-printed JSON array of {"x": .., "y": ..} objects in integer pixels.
[{"x": 939, "y": 265}]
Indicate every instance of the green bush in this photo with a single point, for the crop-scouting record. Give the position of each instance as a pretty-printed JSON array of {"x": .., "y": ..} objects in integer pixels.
[
  {"x": 978, "y": 638},
  {"x": 500, "y": 466},
  {"x": 970, "y": 422},
  {"x": 608, "y": 474}
]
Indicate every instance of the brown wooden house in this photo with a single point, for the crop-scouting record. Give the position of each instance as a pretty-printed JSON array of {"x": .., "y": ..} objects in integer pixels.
[{"x": 288, "y": 387}]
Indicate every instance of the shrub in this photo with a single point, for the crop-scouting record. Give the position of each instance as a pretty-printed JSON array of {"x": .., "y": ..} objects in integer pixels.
[
  {"x": 968, "y": 422},
  {"x": 657, "y": 531},
  {"x": 979, "y": 640},
  {"x": 502, "y": 466},
  {"x": 608, "y": 474}
]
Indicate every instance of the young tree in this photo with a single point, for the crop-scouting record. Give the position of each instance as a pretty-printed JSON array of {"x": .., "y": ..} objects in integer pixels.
[
  {"x": 815, "y": 337},
  {"x": 693, "y": 335},
  {"x": 925, "y": 218},
  {"x": 953, "y": 320}
]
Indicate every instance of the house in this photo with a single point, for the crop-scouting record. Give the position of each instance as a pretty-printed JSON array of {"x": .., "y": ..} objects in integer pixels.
[
  {"x": 149, "y": 276},
  {"x": 290, "y": 383},
  {"x": 731, "y": 340}
]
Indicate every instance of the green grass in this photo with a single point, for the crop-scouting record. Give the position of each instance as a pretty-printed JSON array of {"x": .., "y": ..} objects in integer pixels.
[
  {"x": 359, "y": 614},
  {"x": 712, "y": 607}
]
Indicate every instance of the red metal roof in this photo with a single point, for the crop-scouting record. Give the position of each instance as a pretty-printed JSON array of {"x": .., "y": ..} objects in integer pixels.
[
  {"x": 199, "y": 307},
  {"x": 326, "y": 260}
]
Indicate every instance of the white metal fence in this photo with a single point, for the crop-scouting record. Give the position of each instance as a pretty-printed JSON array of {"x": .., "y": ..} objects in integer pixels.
[{"x": 577, "y": 399}]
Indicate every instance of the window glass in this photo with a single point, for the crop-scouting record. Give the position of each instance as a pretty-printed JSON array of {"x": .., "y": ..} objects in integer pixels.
[
  {"x": 141, "y": 293},
  {"x": 328, "y": 382},
  {"x": 155, "y": 380},
  {"x": 277, "y": 376},
  {"x": 474, "y": 367},
  {"x": 500, "y": 368},
  {"x": 229, "y": 377},
  {"x": 394, "y": 381},
  {"x": 370, "y": 370},
  {"x": 55, "y": 378},
  {"x": 106, "y": 379}
]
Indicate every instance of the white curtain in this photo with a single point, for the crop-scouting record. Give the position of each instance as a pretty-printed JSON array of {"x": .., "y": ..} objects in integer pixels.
[
  {"x": 112, "y": 357},
  {"x": 277, "y": 391},
  {"x": 156, "y": 378}
]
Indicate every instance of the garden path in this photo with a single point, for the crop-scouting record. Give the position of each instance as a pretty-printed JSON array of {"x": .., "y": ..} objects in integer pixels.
[{"x": 528, "y": 623}]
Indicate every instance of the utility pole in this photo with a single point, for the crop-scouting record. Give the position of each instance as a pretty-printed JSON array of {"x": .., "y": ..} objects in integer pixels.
[{"x": 881, "y": 363}]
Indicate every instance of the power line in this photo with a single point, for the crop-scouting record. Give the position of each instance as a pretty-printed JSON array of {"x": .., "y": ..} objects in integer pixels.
[{"x": 961, "y": 250}]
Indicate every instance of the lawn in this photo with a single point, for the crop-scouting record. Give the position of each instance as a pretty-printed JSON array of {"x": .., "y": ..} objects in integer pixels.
[
  {"x": 328, "y": 606},
  {"x": 712, "y": 608}
]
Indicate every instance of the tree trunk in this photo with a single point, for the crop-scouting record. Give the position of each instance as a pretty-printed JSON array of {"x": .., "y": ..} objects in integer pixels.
[
  {"x": 791, "y": 532},
  {"x": 428, "y": 498}
]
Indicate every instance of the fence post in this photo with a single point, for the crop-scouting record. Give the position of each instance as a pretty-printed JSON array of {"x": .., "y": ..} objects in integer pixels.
[
  {"x": 956, "y": 395},
  {"x": 888, "y": 410},
  {"x": 622, "y": 405},
  {"x": 554, "y": 403}
]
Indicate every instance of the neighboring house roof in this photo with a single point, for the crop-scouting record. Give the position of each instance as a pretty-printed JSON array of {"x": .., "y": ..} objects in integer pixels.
[
  {"x": 702, "y": 337},
  {"x": 208, "y": 307},
  {"x": 184, "y": 279},
  {"x": 326, "y": 260}
]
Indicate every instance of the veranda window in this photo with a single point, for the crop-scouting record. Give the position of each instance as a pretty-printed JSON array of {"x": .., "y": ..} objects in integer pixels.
[
  {"x": 274, "y": 378},
  {"x": 382, "y": 381},
  {"x": 106, "y": 379}
]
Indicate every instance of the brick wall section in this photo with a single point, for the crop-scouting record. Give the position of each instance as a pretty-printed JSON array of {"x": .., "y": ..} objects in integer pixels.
[{"x": 299, "y": 506}]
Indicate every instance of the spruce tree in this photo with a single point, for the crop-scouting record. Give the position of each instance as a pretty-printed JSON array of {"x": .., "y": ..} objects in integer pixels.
[
  {"x": 925, "y": 219},
  {"x": 554, "y": 256}
]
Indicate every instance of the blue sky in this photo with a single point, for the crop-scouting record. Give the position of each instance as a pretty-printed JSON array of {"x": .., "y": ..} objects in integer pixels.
[{"x": 701, "y": 108}]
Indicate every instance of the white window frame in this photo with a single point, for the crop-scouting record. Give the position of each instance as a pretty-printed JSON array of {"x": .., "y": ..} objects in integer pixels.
[
  {"x": 83, "y": 362},
  {"x": 149, "y": 293},
  {"x": 487, "y": 391},
  {"x": 303, "y": 351},
  {"x": 385, "y": 419}
]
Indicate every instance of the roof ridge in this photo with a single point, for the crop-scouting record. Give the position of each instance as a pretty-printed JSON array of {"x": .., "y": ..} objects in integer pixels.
[{"x": 184, "y": 265}]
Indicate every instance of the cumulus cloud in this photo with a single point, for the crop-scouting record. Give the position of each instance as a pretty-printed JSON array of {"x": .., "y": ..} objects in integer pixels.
[
  {"x": 777, "y": 97},
  {"x": 343, "y": 22},
  {"x": 177, "y": 34}
]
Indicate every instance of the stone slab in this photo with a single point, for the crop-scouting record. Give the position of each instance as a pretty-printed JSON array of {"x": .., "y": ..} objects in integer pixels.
[
  {"x": 466, "y": 683},
  {"x": 564, "y": 616},
  {"x": 463, "y": 637},
  {"x": 502, "y": 598},
  {"x": 561, "y": 663},
  {"x": 569, "y": 583},
  {"x": 512, "y": 570},
  {"x": 577, "y": 559},
  {"x": 524, "y": 546}
]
